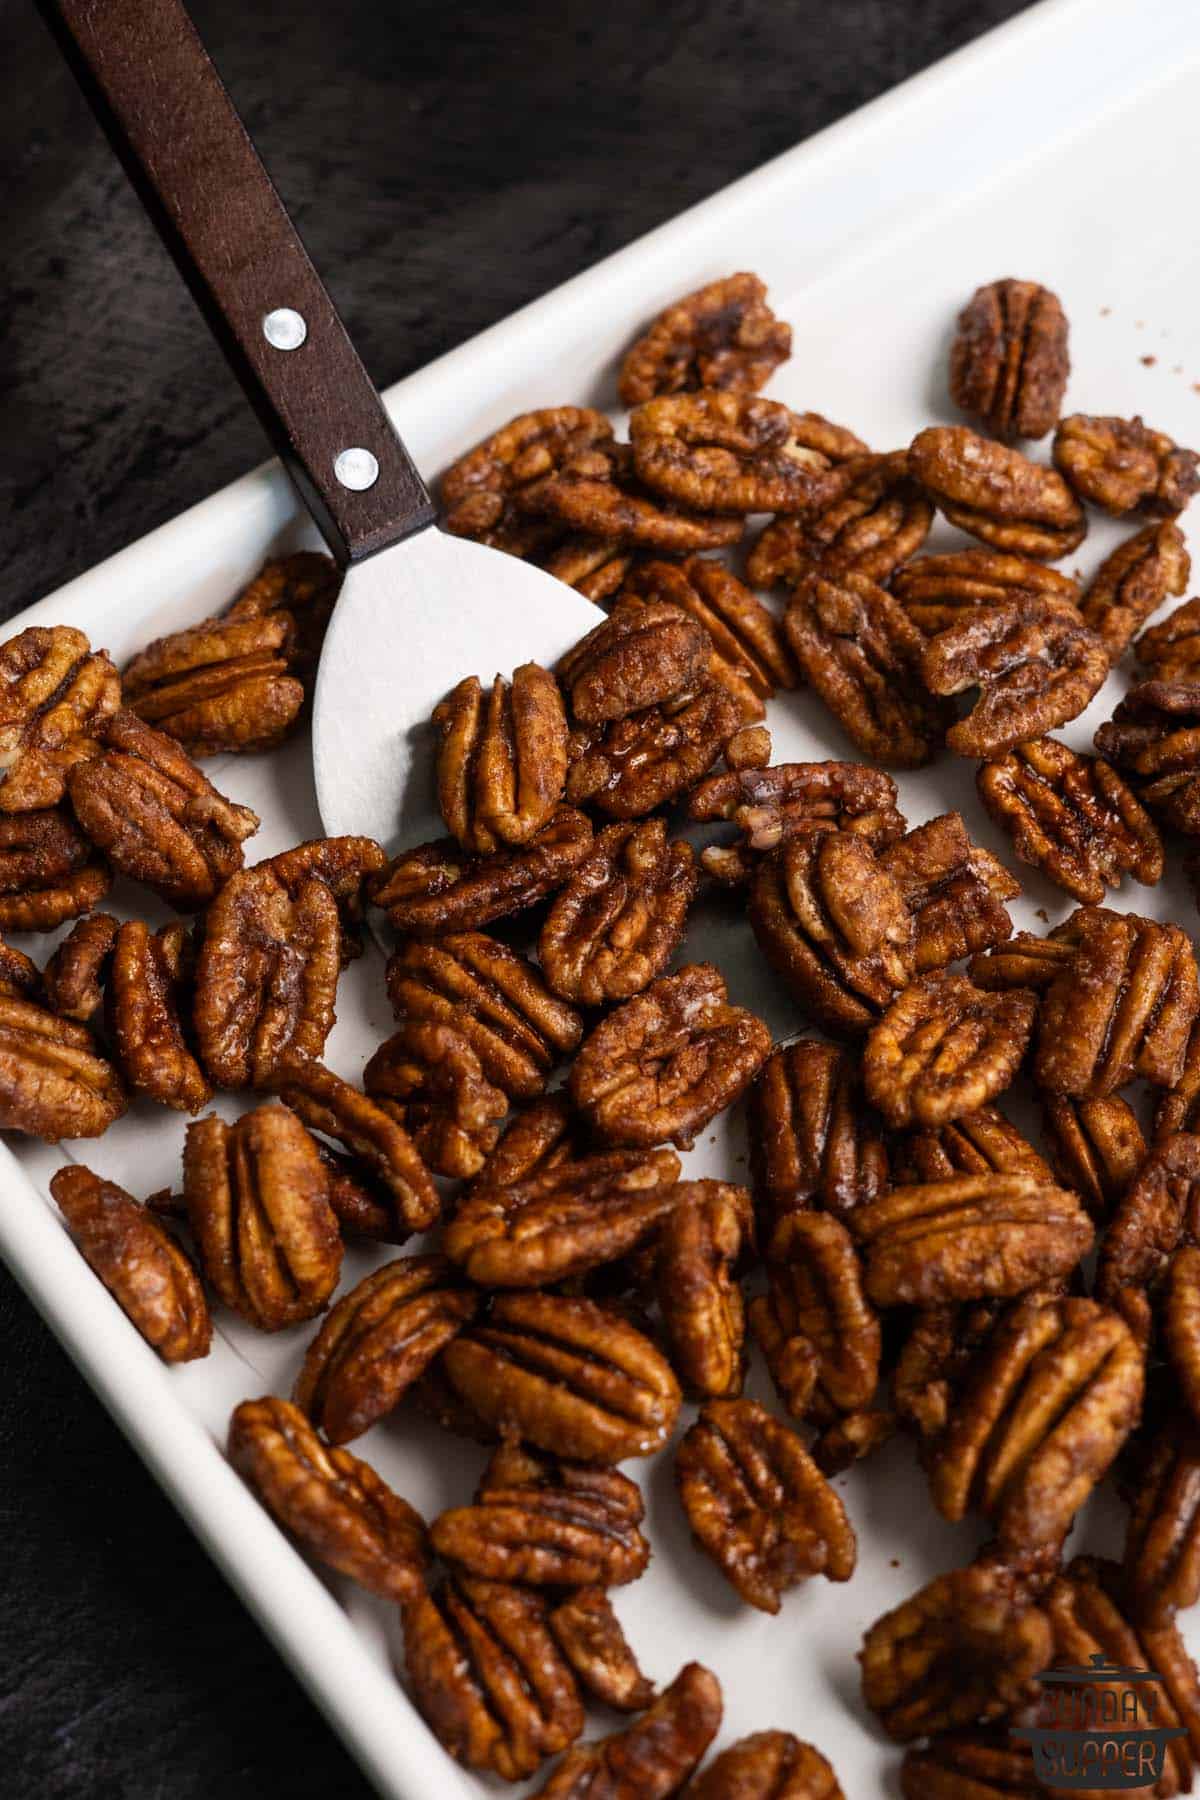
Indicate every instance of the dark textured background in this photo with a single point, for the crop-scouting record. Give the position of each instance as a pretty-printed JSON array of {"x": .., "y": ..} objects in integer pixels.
[{"x": 445, "y": 165}]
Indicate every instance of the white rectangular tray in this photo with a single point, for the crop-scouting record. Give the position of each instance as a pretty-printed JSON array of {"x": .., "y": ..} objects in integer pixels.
[{"x": 1055, "y": 148}]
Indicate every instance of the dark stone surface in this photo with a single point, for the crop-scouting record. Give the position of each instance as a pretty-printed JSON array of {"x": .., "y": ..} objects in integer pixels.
[{"x": 445, "y": 165}]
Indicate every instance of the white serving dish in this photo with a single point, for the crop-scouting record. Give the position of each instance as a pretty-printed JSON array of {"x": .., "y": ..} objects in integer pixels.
[{"x": 1056, "y": 147}]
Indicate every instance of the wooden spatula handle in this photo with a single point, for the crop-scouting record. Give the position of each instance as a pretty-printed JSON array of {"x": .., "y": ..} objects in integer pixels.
[{"x": 162, "y": 103}]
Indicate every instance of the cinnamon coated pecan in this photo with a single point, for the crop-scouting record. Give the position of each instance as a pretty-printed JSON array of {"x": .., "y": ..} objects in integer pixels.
[
  {"x": 345, "y": 865},
  {"x": 595, "y": 569},
  {"x": 996, "y": 494},
  {"x": 851, "y": 1437},
  {"x": 639, "y": 656},
  {"x": 147, "y": 991},
  {"x": 722, "y": 336},
  {"x": 1034, "y": 662},
  {"x": 954, "y": 889},
  {"x": 747, "y": 651},
  {"x": 817, "y": 1329},
  {"x": 621, "y": 916},
  {"x": 48, "y": 871},
  {"x": 1121, "y": 465},
  {"x": 1096, "y": 1147},
  {"x": 970, "y": 1765},
  {"x": 19, "y": 974},
  {"x": 304, "y": 585},
  {"x": 600, "y": 492},
  {"x": 631, "y": 766},
  {"x": 767, "y": 1765},
  {"x": 1008, "y": 362},
  {"x": 980, "y": 1143},
  {"x": 869, "y": 528},
  {"x": 812, "y": 1137},
  {"x": 429, "y": 1076},
  {"x": 1027, "y": 960},
  {"x": 1154, "y": 735},
  {"x": 769, "y": 805},
  {"x": 56, "y": 694},
  {"x": 588, "y": 1632},
  {"x": 75, "y": 975},
  {"x": 478, "y": 492},
  {"x": 937, "y": 591},
  {"x": 222, "y": 685},
  {"x": 1179, "y": 1107},
  {"x": 758, "y": 1504},
  {"x": 535, "y": 1139},
  {"x": 1133, "y": 582},
  {"x": 654, "y": 1756},
  {"x": 935, "y": 1360},
  {"x": 944, "y": 1048},
  {"x": 336, "y": 1507},
  {"x": 53, "y": 1082},
  {"x": 1170, "y": 651},
  {"x": 436, "y": 888},
  {"x": 725, "y": 452},
  {"x": 139, "y": 1262},
  {"x": 666, "y": 1062},
  {"x": 1162, "y": 1542},
  {"x": 502, "y": 758},
  {"x": 697, "y": 1252}
]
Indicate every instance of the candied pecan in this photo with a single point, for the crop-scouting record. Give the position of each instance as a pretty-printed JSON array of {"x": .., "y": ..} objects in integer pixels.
[
  {"x": 501, "y": 759},
  {"x": 1072, "y": 817},
  {"x": 944, "y": 1048},
  {"x": 1096, "y": 1147},
  {"x": 305, "y": 586},
  {"x": 937, "y": 591},
  {"x": 478, "y": 491},
  {"x": 53, "y": 1081},
  {"x": 596, "y": 569},
  {"x": 588, "y": 1633},
  {"x": 769, "y": 805},
  {"x": 1154, "y": 734},
  {"x": 972, "y": 1237},
  {"x": 637, "y": 657},
  {"x": 144, "y": 803},
  {"x": 970, "y": 1765},
  {"x": 1170, "y": 651},
  {"x": 697, "y": 1251},
  {"x": 146, "y": 981},
  {"x": 435, "y": 887},
  {"x": 834, "y": 926},
  {"x": 812, "y": 1139},
  {"x": 564, "y": 1221},
  {"x": 1133, "y": 582},
  {"x": 547, "y": 1523},
  {"x": 75, "y": 975},
  {"x": 858, "y": 648},
  {"x": 1027, "y": 960},
  {"x": 767, "y": 1765},
  {"x": 258, "y": 1205},
  {"x": 869, "y": 528},
  {"x": 960, "y": 1651},
  {"x": 1008, "y": 362},
  {"x": 996, "y": 494},
  {"x": 1179, "y": 1108},
  {"x": 722, "y": 336},
  {"x": 724, "y": 452},
  {"x": 851, "y": 1437},
  {"x": 1121, "y": 1007},
  {"x": 630, "y": 766},
  {"x": 48, "y": 871},
  {"x": 139, "y": 1262},
  {"x": 1121, "y": 465},
  {"x": 666, "y": 1062},
  {"x": 222, "y": 685},
  {"x": 1056, "y": 1392},
  {"x": 442, "y": 1098},
  {"x": 376, "y": 1341},
  {"x": 954, "y": 889},
  {"x": 653, "y": 1757},
  {"x": 935, "y": 1360},
  {"x": 758, "y": 1505},
  {"x": 21, "y": 978},
  {"x": 57, "y": 694},
  {"x": 980, "y": 1143},
  {"x": 336, "y": 1507},
  {"x": 1162, "y": 1541},
  {"x": 535, "y": 1139},
  {"x": 746, "y": 646},
  {"x": 345, "y": 865},
  {"x": 817, "y": 1329},
  {"x": 621, "y": 916},
  {"x": 600, "y": 492},
  {"x": 567, "y": 1375},
  {"x": 1034, "y": 662}
]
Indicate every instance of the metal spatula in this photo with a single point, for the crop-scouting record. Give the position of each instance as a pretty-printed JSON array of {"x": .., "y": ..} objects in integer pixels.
[{"x": 418, "y": 609}]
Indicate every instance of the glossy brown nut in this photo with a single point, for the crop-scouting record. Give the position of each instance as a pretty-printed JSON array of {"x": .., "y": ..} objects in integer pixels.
[
  {"x": 304, "y": 585},
  {"x": 725, "y": 452},
  {"x": 567, "y": 1375},
  {"x": 834, "y": 926},
  {"x": 56, "y": 695},
  {"x": 851, "y": 1437},
  {"x": 1159, "y": 1213},
  {"x": 20, "y": 976},
  {"x": 148, "y": 991},
  {"x": 747, "y": 651},
  {"x": 974, "y": 1237},
  {"x": 637, "y": 657},
  {"x": 620, "y": 918},
  {"x": 1162, "y": 1542},
  {"x": 666, "y": 1062},
  {"x": 1096, "y": 1147},
  {"x": 768, "y": 1765},
  {"x": 48, "y": 871},
  {"x": 345, "y": 865},
  {"x": 722, "y": 336},
  {"x": 53, "y": 1081},
  {"x": 138, "y": 1260},
  {"x": 935, "y": 1360},
  {"x": 1154, "y": 735},
  {"x": 593, "y": 567},
  {"x": 536, "y": 1138},
  {"x": 631, "y": 766},
  {"x": 1133, "y": 582},
  {"x": 817, "y": 1329},
  {"x": 1121, "y": 466},
  {"x": 1035, "y": 663},
  {"x": 654, "y": 1756},
  {"x": 960, "y": 1651},
  {"x": 937, "y": 591},
  {"x": 501, "y": 758},
  {"x": 221, "y": 686},
  {"x": 588, "y": 1632},
  {"x": 1028, "y": 961},
  {"x": 876, "y": 523},
  {"x": 258, "y": 1205},
  {"x": 601, "y": 493},
  {"x": 859, "y": 650},
  {"x": 1072, "y": 817},
  {"x": 954, "y": 889},
  {"x": 758, "y": 1505},
  {"x": 970, "y": 1765},
  {"x": 377, "y": 1340},
  {"x": 74, "y": 977},
  {"x": 435, "y": 888},
  {"x": 431, "y": 1079},
  {"x": 980, "y": 1143},
  {"x": 944, "y": 1048},
  {"x": 812, "y": 1137},
  {"x": 698, "y": 1249},
  {"x": 769, "y": 805},
  {"x": 1179, "y": 1108},
  {"x": 1170, "y": 650},
  {"x": 1054, "y": 1396},
  {"x": 1008, "y": 362},
  {"x": 478, "y": 491},
  {"x": 1122, "y": 1007},
  {"x": 996, "y": 494}
]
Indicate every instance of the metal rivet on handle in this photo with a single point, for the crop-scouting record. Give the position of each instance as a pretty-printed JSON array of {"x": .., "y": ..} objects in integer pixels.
[
  {"x": 356, "y": 469},
  {"x": 284, "y": 329}
]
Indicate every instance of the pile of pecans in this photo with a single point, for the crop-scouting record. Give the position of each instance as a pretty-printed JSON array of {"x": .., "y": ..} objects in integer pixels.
[{"x": 921, "y": 1263}]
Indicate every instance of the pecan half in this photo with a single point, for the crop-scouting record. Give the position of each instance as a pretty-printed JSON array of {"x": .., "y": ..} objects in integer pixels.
[
  {"x": 305, "y": 586},
  {"x": 654, "y": 1756},
  {"x": 767, "y": 1765},
  {"x": 566, "y": 1375},
  {"x": 812, "y": 1138},
  {"x": 1072, "y": 817},
  {"x": 429, "y": 1076},
  {"x": 437, "y": 888},
  {"x": 53, "y": 1082},
  {"x": 478, "y": 491},
  {"x": 588, "y": 1633},
  {"x": 1179, "y": 1108},
  {"x": 747, "y": 651},
  {"x": 138, "y": 1260},
  {"x": 666, "y": 1062},
  {"x": 1170, "y": 651},
  {"x": 20, "y": 976},
  {"x": 638, "y": 656},
  {"x": 536, "y": 1138},
  {"x": 501, "y": 759},
  {"x": 758, "y": 1505},
  {"x": 56, "y": 694},
  {"x": 937, "y": 591},
  {"x": 48, "y": 871},
  {"x": 75, "y": 975},
  {"x": 631, "y": 766},
  {"x": 1027, "y": 960},
  {"x": 1121, "y": 466},
  {"x": 1154, "y": 735},
  {"x": 697, "y": 1252},
  {"x": 147, "y": 980},
  {"x": 1008, "y": 362},
  {"x": 722, "y": 336},
  {"x": 769, "y": 805},
  {"x": 980, "y": 1143},
  {"x": 1162, "y": 1541},
  {"x": 944, "y": 1048},
  {"x": 375, "y": 1343},
  {"x": 600, "y": 492},
  {"x": 336, "y": 1507},
  {"x": 996, "y": 494},
  {"x": 817, "y": 1329},
  {"x": 1096, "y": 1147},
  {"x": 970, "y": 1765},
  {"x": 345, "y": 865},
  {"x": 616, "y": 924},
  {"x": 1133, "y": 582},
  {"x": 935, "y": 1359},
  {"x": 222, "y": 685},
  {"x": 595, "y": 568},
  {"x": 1035, "y": 663},
  {"x": 868, "y": 528},
  {"x": 862, "y": 654},
  {"x": 954, "y": 889},
  {"x": 725, "y": 452}
]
